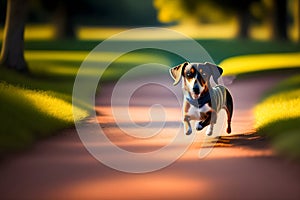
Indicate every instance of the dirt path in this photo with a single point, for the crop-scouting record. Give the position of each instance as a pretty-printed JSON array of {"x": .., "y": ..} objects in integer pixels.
[{"x": 241, "y": 166}]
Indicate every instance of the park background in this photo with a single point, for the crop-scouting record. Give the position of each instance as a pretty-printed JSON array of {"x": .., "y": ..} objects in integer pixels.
[
  {"x": 43, "y": 44},
  {"x": 46, "y": 41}
]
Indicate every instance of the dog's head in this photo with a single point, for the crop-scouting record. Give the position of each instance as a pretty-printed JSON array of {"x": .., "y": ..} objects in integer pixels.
[{"x": 196, "y": 76}]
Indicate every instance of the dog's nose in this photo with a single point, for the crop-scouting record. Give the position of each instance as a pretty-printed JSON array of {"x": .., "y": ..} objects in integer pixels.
[{"x": 196, "y": 88}]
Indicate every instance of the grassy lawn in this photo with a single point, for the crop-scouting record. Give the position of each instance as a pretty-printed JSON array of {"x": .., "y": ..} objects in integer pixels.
[
  {"x": 40, "y": 104},
  {"x": 26, "y": 114},
  {"x": 260, "y": 62},
  {"x": 278, "y": 117}
]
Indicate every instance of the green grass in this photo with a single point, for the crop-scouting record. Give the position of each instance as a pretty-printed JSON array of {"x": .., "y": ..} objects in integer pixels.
[
  {"x": 224, "y": 49},
  {"x": 33, "y": 107},
  {"x": 261, "y": 62},
  {"x": 218, "y": 49},
  {"x": 278, "y": 117},
  {"x": 30, "y": 114},
  {"x": 39, "y": 105}
]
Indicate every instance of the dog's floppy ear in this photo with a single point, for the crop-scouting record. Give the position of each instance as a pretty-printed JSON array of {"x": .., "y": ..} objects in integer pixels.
[
  {"x": 176, "y": 72},
  {"x": 213, "y": 70}
]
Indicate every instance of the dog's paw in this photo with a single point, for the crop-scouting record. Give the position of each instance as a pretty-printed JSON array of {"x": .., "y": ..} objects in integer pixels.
[
  {"x": 228, "y": 130},
  {"x": 199, "y": 126},
  {"x": 189, "y": 131},
  {"x": 209, "y": 131}
]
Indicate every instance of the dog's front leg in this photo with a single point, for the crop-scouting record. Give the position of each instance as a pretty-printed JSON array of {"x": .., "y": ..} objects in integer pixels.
[
  {"x": 204, "y": 120},
  {"x": 187, "y": 118},
  {"x": 187, "y": 125},
  {"x": 210, "y": 129}
]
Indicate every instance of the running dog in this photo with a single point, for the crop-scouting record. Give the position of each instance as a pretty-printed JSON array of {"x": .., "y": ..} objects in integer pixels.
[{"x": 201, "y": 101}]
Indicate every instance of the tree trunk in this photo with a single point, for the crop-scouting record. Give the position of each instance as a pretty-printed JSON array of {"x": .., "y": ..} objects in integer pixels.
[
  {"x": 244, "y": 18},
  {"x": 243, "y": 23},
  {"x": 12, "y": 53},
  {"x": 279, "y": 24},
  {"x": 64, "y": 27},
  {"x": 298, "y": 20}
]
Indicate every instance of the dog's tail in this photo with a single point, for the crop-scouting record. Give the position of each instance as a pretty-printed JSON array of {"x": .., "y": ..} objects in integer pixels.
[{"x": 228, "y": 79}]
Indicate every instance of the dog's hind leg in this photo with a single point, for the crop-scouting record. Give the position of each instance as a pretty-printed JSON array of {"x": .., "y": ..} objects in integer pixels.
[
  {"x": 228, "y": 130},
  {"x": 213, "y": 121},
  {"x": 229, "y": 110},
  {"x": 210, "y": 129}
]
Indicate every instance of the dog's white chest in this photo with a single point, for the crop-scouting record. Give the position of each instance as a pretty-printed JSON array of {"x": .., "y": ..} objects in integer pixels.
[{"x": 194, "y": 112}]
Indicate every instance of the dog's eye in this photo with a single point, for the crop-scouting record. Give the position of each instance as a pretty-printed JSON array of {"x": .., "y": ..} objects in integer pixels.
[{"x": 191, "y": 73}]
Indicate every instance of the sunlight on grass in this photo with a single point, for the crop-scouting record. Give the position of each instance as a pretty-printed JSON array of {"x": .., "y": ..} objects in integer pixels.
[
  {"x": 56, "y": 55},
  {"x": 39, "y": 32},
  {"x": 198, "y": 31},
  {"x": 95, "y": 56},
  {"x": 207, "y": 31},
  {"x": 47, "y": 32},
  {"x": 36, "y": 32},
  {"x": 67, "y": 63},
  {"x": 195, "y": 31},
  {"x": 53, "y": 106},
  {"x": 251, "y": 63},
  {"x": 50, "y": 69},
  {"x": 42, "y": 102},
  {"x": 97, "y": 33},
  {"x": 278, "y": 117},
  {"x": 261, "y": 32},
  {"x": 30, "y": 114},
  {"x": 285, "y": 105}
]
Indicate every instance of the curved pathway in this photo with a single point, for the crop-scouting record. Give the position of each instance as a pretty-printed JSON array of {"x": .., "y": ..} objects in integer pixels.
[{"x": 241, "y": 166}]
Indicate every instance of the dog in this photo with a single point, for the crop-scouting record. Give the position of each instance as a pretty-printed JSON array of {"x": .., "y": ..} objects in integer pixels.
[{"x": 201, "y": 101}]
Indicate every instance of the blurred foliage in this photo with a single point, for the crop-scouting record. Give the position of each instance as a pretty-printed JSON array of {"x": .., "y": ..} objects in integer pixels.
[
  {"x": 203, "y": 11},
  {"x": 92, "y": 12},
  {"x": 184, "y": 11},
  {"x": 278, "y": 15},
  {"x": 66, "y": 15}
]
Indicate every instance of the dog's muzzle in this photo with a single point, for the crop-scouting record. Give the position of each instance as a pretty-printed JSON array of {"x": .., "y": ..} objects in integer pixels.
[{"x": 196, "y": 88}]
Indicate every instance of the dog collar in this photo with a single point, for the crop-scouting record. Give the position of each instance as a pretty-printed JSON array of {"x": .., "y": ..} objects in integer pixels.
[{"x": 199, "y": 102}]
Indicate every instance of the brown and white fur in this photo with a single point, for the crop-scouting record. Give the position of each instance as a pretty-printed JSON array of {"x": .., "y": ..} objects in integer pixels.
[{"x": 202, "y": 102}]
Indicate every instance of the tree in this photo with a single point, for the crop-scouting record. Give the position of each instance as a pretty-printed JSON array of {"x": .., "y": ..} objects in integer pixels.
[
  {"x": 62, "y": 12},
  {"x": 239, "y": 8},
  {"x": 12, "y": 52},
  {"x": 242, "y": 10},
  {"x": 278, "y": 16},
  {"x": 298, "y": 19},
  {"x": 279, "y": 19},
  {"x": 65, "y": 13}
]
